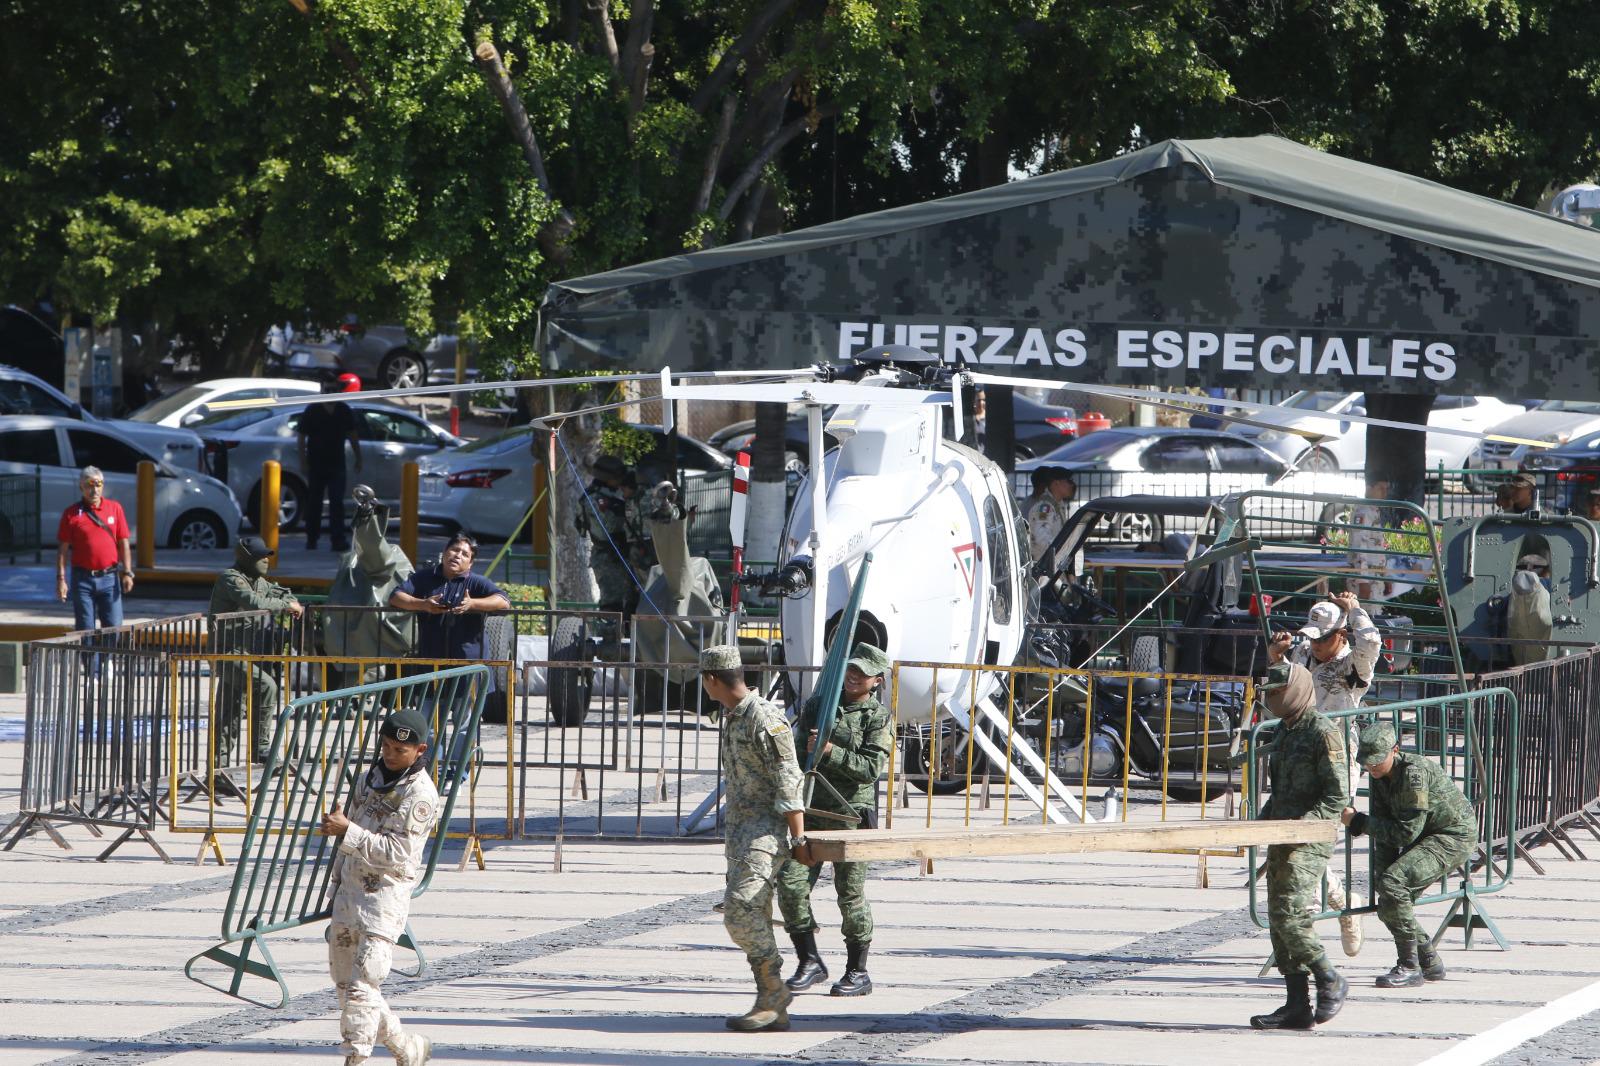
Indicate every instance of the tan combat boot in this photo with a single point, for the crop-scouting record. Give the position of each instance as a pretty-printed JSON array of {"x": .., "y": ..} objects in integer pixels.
[
  {"x": 411, "y": 1049},
  {"x": 771, "y": 1011},
  {"x": 1351, "y": 934}
]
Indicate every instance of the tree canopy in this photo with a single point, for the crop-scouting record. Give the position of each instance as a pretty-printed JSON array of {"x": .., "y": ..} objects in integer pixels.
[{"x": 211, "y": 168}]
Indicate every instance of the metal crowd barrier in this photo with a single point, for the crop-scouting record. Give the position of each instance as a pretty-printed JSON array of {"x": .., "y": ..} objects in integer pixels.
[
  {"x": 213, "y": 765},
  {"x": 1147, "y": 746},
  {"x": 1474, "y": 737},
  {"x": 94, "y": 748},
  {"x": 327, "y": 742},
  {"x": 1559, "y": 761},
  {"x": 628, "y": 747}
]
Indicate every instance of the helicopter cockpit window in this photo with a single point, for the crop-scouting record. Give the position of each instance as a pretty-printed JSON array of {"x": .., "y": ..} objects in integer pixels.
[{"x": 994, "y": 522}]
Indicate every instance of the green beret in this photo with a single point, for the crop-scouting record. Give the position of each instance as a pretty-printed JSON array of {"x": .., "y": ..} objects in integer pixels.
[
  {"x": 720, "y": 657},
  {"x": 1376, "y": 742},
  {"x": 869, "y": 660},
  {"x": 408, "y": 727}
]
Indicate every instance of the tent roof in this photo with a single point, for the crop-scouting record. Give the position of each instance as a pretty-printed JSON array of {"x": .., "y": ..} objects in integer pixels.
[{"x": 1272, "y": 168}]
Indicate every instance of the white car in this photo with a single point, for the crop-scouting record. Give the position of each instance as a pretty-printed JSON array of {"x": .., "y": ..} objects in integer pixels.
[
  {"x": 1347, "y": 450},
  {"x": 1555, "y": 421},
  {"x": 190, "y": 404},
  {"x": 22, "y": 393},
  {"x": 1136, "y": 461},
  {"x": 193, "y": 511}
]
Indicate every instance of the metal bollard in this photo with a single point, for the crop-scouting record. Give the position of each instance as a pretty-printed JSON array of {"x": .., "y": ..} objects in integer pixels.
[{"x": 271, "y": 481}]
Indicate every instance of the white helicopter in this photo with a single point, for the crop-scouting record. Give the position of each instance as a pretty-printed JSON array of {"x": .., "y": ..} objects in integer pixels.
[{"x": 952, "y": 580}]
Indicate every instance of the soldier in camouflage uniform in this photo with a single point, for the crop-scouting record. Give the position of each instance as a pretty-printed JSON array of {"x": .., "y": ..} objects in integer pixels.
[
  {"x": 765, "y": 824},
  {"x": 1046, "y": 509},
  {"x": 1422, "y": 828},
  {"x": 382, "y": 839},
  {"x": 1306, "y": 772},
  {"x": 615, "y": 534},
  {"x": 247, "y": 689},
  {"x": 1341, "y": 649},
  {"x": 853, "y": 757}
]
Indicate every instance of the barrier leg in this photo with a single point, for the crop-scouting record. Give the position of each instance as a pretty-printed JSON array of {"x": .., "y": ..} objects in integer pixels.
[
  {"x": 1467, "y": 914},
  {"x": 127, "y": 834},
  {"x": 707, "y": 806},
  {"x": 210, "y": 841},
  {"x": 240, "y": 963},
  {"x": 409, "y": 942},
  {"x": 35, "y": 823}
]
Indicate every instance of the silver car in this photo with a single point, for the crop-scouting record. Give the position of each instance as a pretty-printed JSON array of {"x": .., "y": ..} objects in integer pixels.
[
  {"x": 390, "y": 437},
  {"x": 1191, "y": 462},
  {"x": 385, "y": 355}
]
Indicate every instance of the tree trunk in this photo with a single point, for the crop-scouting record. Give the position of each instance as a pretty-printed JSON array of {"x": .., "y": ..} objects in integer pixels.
[
  {"x": 1398, "y": 456},
  {"x": 768, "y": 491},
  {"x": 576, "y": 452}
]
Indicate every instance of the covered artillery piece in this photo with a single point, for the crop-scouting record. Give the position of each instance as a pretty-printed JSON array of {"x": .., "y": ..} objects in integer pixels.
[{"x": 680, "y": 610}]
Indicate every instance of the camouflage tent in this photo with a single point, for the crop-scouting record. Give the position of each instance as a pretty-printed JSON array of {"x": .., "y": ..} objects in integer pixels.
[{"x": 1234, "y": 262}]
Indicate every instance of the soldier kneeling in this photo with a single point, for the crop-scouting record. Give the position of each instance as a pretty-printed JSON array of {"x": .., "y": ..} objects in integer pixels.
[{"x": 1422, "y": 828}]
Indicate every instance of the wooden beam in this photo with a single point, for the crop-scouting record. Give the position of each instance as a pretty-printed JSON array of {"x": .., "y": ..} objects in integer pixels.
[{"x": 863, "y": 845}]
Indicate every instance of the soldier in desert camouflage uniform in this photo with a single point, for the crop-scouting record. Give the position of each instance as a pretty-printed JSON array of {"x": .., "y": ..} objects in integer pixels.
[
  {"x": 381, "y": 842},
  {"x": 1307, "y": 778},
  {"x": 1422, "y": 828},
  {"x": 765, "y": 826}
]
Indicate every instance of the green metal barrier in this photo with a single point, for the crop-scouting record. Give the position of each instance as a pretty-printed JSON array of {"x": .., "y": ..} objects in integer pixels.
[
  {"x": 1475, "y": 738},
  {"x": 324, "y": 744}
]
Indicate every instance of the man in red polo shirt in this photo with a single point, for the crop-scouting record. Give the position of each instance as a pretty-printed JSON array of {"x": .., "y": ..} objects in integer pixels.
[{"x": 94, "y": 534}]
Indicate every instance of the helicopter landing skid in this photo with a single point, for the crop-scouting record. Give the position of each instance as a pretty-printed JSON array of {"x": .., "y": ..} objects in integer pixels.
[{"x": 1020, "y": 746}]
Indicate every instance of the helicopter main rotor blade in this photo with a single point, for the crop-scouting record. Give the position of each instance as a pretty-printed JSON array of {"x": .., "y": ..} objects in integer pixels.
[
  {"x": 820, "y": 393},
  {"x": 493, "y": 386},
  {"x": 1118, "y": 392}
]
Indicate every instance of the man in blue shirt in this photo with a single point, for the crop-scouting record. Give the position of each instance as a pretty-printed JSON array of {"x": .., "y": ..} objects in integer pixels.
[{"x": 452, "y": 601}]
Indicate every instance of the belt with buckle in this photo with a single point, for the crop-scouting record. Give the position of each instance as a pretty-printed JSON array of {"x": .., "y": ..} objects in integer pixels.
[{"x": 97, "y": 573}]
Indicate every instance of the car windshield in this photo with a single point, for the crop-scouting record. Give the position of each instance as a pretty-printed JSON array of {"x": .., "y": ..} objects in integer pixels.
[
  {"x": 1315, "y": 401},
  {"x": 504, "y": 441},
  {"x": 1090, "y": 447},
  {"x": 234, "y": 419},
  {"x": 1577, "y": 407},
  {"x": 156, "y": 410}
]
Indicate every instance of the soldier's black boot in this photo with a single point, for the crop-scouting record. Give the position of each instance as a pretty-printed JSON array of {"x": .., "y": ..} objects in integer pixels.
[
  {"x": 855, "y": 981},
  {"x": 1331, "y": 990},
  {"x": 1427, "y": 958},
  {"x": 810, "y": 969},
  {"x": 1406, "y": 973},
  {"x": 1296, "y": 1010}
]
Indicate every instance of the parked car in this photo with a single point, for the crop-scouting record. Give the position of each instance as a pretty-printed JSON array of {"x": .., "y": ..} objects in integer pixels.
[
  {"x": 1347, "y": 447},
  {"x": 1566, "y": 473},
  {"x": 22, "y": 393},
  {"x": 1555, "y": 421},
  {"x": 383, "y": 355},
  {"x": 193, "y": 510},
  {"x": 390, "y": 437},
  {"x": 1133, "y": 461},
  {"x": 192, "y": 403},
  {"x": 487, "y": 486}
]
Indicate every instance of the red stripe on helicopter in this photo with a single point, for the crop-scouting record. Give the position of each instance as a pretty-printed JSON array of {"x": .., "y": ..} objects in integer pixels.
[{"x": 967, "y": 556}]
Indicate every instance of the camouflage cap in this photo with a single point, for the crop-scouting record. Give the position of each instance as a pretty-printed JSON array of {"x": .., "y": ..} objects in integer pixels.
[
  {"x": 720, "y": 657},
  {"x": 1277, "y": 677},
  {"x": 1522, "y": 479},
  {"x": 407, "y": 726},
  {"x": 869, "y": 660},
  {"x": 1375, "y": 744},
  {"x": 252, "y": 548}
]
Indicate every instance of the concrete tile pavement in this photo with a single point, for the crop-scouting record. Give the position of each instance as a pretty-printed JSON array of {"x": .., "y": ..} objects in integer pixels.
[{"x": 620, "y": 960}]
